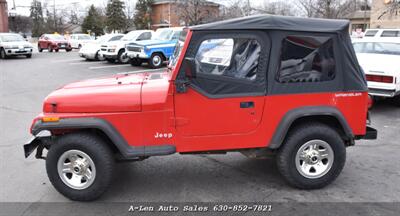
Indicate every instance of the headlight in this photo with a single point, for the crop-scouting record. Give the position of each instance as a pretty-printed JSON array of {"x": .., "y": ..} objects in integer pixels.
[{"x": 113, "y": 47}]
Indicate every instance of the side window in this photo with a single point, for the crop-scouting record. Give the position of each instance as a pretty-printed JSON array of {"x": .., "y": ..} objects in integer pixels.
[
  {"x": 176, "y": 35},
  {"x": 370, "y": 33},
  {"x": 306, "y": 59},
  {"x": 390, "y": 34},
  {"x": 230, "y": 57}
]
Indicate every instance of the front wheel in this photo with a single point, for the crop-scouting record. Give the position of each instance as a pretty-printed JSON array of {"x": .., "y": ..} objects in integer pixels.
[
  {"x": 29, "y": 55},
  {"x": 122, "y": 58},
  {"x": 80, "y": 166},
  {"x": 3, "y": 54},
  {"x": 68, "y": 50},
  {"x": 156, "y": 60},
  {"x": 312, "y": 156}
]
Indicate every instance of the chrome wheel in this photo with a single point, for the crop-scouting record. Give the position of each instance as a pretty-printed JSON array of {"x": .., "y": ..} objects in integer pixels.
[
  {"x": 157, "y": 60},
  {"x": 76, "y": 169},
  {"x": 314, "y": 159}
]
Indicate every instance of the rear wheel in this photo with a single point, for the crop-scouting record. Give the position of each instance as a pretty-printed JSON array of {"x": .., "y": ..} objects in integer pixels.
[
  {"x": 68, "y": 50},
  {"x": 50, "y": 48},
  {"x": 122, "y": 58},
  {"x": 80, "y": 166},
  {"x": 3, "y": 54},
  {"x": 39, "y": 48},
  {"x": 29, "y": 55},
  {"x": 135, "y": 62},
  {"x": 56, "y": 50},
  {"x": 312, "y": 156},
  {"x": 156, "y": 60}
]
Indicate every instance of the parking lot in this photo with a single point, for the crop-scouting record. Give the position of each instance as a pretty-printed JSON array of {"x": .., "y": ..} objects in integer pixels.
[{"x": 371, "y": 174}]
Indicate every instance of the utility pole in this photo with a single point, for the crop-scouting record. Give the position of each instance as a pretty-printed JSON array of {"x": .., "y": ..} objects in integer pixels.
[
  {"x": 54, "y": 14},
  {"x": 365, "y": 14}
]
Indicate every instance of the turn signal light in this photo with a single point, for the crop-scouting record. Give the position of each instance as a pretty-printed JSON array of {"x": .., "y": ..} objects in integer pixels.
[
  {"x": 379, "y": 78},
  {"x": 51, "y": 119}
]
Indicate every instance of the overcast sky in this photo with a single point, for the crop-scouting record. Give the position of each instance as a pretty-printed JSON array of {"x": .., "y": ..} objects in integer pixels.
[{"x": 22, "y": 6}]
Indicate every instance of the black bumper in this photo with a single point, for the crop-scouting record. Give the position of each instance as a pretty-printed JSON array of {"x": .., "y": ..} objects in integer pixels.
[
  {"x": 371, "y": 134},
  {"x": 38, "y": 143}
]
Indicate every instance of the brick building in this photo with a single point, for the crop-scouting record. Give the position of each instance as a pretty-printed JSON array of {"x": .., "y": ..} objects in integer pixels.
[
  {"x": 387, "y": 20},
  {"x": 3, "y": 16},
  {"x": 166, "y": 13}
]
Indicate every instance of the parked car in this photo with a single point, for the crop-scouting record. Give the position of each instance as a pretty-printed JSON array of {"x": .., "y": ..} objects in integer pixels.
[
  {"x": 380, "y": 60},
  {"x": 114, "y": 51},
  {"x": 14, "y": 45},
  {"x": 78, "y": 40},
  {"x": 377, "y": 33},
  {"x": 154, "y": 51},
  {"x": 292, "y": 88},
  {"x": 54, "y": 42},
  {"x": 90, "y": 51}
]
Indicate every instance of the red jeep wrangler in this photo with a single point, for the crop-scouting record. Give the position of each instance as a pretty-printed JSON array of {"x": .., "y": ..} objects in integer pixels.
[{"x": 257, "y": 85}]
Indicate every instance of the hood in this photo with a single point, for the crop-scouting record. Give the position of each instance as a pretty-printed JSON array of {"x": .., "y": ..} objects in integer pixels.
[
  {"x": 17, "y": 43},
  {"x": 388, "y": 64},
  {"x": 118, "y": 93},
  {"x": 152, "y": 42},
  {"x": 116, "y": 43}
]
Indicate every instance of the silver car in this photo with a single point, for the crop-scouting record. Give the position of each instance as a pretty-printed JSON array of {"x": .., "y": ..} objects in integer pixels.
[{"x": 14, "y": 45}]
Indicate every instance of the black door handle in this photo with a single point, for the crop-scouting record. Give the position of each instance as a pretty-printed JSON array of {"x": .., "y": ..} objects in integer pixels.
[{"x": 247, "y": 104}]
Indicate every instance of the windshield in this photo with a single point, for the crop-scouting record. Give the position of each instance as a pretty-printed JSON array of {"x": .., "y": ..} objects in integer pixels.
[
  {"x": 387, "y": 48},
  {"x": 131, "y": 36},
  {"x": 84, "y": 37},
  {"x": 178, "y": 49},
  {"x": 56, "y": 37},
  {"x": 11, "y": 38},
  {"x": 163, "y": 34}
]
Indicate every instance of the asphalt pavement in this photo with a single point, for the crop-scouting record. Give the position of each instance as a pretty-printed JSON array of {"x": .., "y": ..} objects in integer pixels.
[{"x": 371, "y": 173}]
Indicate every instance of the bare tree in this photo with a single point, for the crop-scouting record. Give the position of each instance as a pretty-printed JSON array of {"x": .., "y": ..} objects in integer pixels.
[
  {"x": 194, "y": 12},
  {"x": 392, "y": 9},
  {"x": 332, "y": 9}
]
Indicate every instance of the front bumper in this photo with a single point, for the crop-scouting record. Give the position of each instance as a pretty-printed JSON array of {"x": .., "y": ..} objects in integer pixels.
[
  {"x": 40, "y": 141},
  {"x": 140, "y": 55},
  {"x": 19, "y": 51}
]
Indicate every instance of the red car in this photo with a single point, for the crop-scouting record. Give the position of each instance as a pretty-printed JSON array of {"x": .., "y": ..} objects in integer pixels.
[
  {"x": 264, "y": 85},
  {"x": 53, "y": 42}
]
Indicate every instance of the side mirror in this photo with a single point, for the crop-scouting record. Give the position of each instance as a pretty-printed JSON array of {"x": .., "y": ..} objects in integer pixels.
[{"x": 189, "y": 67}]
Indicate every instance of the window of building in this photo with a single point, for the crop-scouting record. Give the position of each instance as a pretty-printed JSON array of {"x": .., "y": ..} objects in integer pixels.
[{"x": 306, "y": 59}]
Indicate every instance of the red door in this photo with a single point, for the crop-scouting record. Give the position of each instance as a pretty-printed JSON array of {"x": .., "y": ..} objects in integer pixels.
[{"x": 225, "y": 100}]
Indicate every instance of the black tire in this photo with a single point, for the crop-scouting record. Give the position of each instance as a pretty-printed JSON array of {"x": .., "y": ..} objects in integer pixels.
[
  {"x": 3, "y": 54},
  {"x": 50, "y": 48},
  {"x": 286, "y": 158},
  {"x": 110, "y": 60},
  {"x": 56, "y": 50},
  {"x": 154, "y": 60},
  {"x": 96, "y": 56},
  {"x": 68, "y": 50},
  {"x": 122, "y": 58},
  {"x": 79, "y": 46},
  {"x": 29, "y": 55},
  {"x": 396, "y": 100},
  {"x": 39, "y": 48},
  {"x": 100, "y": 154},
  {"x": 135, "y": 62}
]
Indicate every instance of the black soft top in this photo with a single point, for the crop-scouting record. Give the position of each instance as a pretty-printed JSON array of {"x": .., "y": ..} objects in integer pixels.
[
  {"x": 350, "y": 76},
  {"x": 277, "y": 23}
]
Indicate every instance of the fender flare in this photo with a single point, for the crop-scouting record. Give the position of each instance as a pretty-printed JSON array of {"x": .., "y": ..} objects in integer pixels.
[
  {"x": 308, "y": 111},
  {"x": 127, "y": 151}
]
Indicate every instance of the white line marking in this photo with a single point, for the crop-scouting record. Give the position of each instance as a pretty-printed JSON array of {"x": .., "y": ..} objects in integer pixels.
[
  {"x": 109, "y": 66},
  {"x": 87, "y": 62},
  {"x": 142, "y": 71},
  {"x": 67, "y": 60}
]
